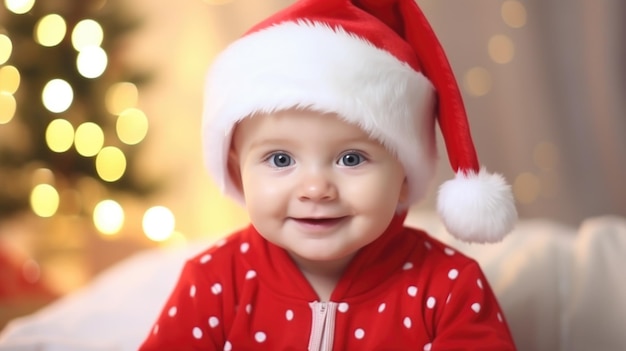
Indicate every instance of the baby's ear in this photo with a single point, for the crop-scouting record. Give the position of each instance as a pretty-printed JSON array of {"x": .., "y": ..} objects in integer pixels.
[{"x": 234, "y": 171}]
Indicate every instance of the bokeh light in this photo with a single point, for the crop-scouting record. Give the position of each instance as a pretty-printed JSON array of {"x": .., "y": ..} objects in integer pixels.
[
  {"x": 6, "y": 48},
  {"x": 44, "y": 200},
  {"x": 8, "y": 105},
  {"x": 108, "y": 217},
  {"x": 50, "y": 30},
  {"x": 19, "y": 7},
  {"x": 132, "y": 126},
  {"x": 121, "y": 96},
  {"x": 526, "y": 188},
  {"x": 514, "y": 13},
  {"x": 110, "y": 163},
  {"x": 57, "y": 95},
  {"x": 91, "y": 62},
  {"x": 87, "y": 33},
  {"x": 545, "y": 156},
  {"x": 477, "y": 81},
  {"x": 501, "y": 49},
  {"x": 42, "y": 176},
  {"x": 31, "y": 271},
  {"x": 59, "y": 135},
  {"x": 9, "y": 79},
  {"x": 89, "y": 139},
  {"x": 158, "y": 223}
]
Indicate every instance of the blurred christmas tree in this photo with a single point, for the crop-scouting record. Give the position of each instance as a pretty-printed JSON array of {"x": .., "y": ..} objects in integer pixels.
[
  {"x": 70, "y": 131},
  {"x": 69, "y": 126}
]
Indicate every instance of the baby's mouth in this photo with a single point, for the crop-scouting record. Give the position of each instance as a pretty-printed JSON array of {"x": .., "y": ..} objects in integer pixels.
[
  {"x": 327, "y": 221},
  {"x": 319, "y": 220}
]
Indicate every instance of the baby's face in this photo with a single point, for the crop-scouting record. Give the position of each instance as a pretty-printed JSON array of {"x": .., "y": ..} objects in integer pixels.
[{"x": 315, "y": 185}]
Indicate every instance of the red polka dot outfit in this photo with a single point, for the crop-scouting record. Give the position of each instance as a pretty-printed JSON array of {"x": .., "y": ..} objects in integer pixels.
[{"x": 404, "y": 291}]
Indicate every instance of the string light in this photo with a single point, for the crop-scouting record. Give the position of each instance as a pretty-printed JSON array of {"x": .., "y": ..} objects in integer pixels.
[
  {"x": 158, "y": 223},
  {"x": 42, "y": 176},
  {"x": 501, "y": 49},
  {"x": 87, "y": 33},
  {"x": 9, "y": 79},
  {"x": 121, "y": 96},
  {"x": 44, "y": 200},
  {"x": 6, "y": 48},
  {"x": 110, "y": 163},
  {"x": 8, "y": 105},
  {"x": 132, "y": 126},
  {"x": 526, "y": 188},
  {"x": 514, "y": 13},
  {"x": 50, "y": 30},
  {"x": 545, "y": 156},
  {"x": 91, "y": 62},
  {"x": 477, "y": 81},
  {"x": 57, "y": 95},
  {"x": 59, "y": 135},
  {"x": 88, "y": 139},
  {"x": 19, "y": 7},
  {"x": 108, "y": 217}
]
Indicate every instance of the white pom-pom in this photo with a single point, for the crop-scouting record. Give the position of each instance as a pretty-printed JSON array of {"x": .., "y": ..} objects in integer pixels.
[{"x": 477, "y": 208}]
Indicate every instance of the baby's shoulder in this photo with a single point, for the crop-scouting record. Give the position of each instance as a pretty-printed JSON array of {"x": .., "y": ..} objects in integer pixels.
[
  {"x": 434, "y": 255},
  {"x": 222, "y": 253}
]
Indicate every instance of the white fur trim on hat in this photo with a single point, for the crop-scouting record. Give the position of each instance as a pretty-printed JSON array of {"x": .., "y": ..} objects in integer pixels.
[
  {"x": 311, "y": 65},
  {"x": 477, "y": 207}
]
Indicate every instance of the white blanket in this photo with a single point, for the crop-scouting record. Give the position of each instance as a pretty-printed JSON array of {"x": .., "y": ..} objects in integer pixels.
[{"x": 561, "y": 289}]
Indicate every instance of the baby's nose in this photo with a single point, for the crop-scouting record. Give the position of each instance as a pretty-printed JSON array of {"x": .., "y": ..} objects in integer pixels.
[{"x": 317, "y": 186}]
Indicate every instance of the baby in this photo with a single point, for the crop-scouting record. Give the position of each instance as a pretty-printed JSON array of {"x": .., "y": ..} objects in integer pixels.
[{"x": 320, "y": 121}]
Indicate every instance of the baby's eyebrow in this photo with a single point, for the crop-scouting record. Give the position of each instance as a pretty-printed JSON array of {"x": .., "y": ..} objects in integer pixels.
[{"x": 271, "y": 142}]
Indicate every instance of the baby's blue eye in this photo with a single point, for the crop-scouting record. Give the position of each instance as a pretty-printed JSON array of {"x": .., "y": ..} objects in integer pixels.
[
  {"x": 351, "y": 159},
  {"x": 280, "y": 160}
]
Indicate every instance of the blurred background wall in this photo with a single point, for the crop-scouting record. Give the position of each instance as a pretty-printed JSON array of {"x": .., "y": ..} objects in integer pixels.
[{"x": 543, "y": 82}]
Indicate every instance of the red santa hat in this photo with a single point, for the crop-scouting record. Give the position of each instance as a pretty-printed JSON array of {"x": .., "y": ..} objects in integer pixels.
[{"x": 377, "y": 64}]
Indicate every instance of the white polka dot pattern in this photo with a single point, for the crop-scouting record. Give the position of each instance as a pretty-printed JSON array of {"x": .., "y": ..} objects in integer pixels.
[
  {"x": 430, "y": 303},
  {"x": 407, "y": 322},
  {"x": 216, "y": 289},
  {"x": 381, "y": 307},
  {"x": 428, "y": 347},
  {"x": 172, "y": 311},
  {"x": 453, "y": 274},
  {"x": 412, "y": 291},
  {"x": 476, "y": 307},
  {"x": 260, "y": 337},
  {"x": 214, "y": 322},
  {"x": 228, "y": 346},
  {"x": 289, "y": 315},
  {"x": 250, "y": 274},
  {"x": 343, "y": 307},
  {"x": 197, "y": 333},
  {"x": 359, "y": 333},
  {"x": 244, "y": 247}
]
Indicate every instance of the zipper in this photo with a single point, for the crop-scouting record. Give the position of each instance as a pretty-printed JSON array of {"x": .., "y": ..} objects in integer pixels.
[{"x": 322, "y": 325}]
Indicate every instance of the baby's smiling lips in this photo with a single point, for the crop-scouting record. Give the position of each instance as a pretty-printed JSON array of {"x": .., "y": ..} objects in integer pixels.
[{"x": 318, "y": 223}]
